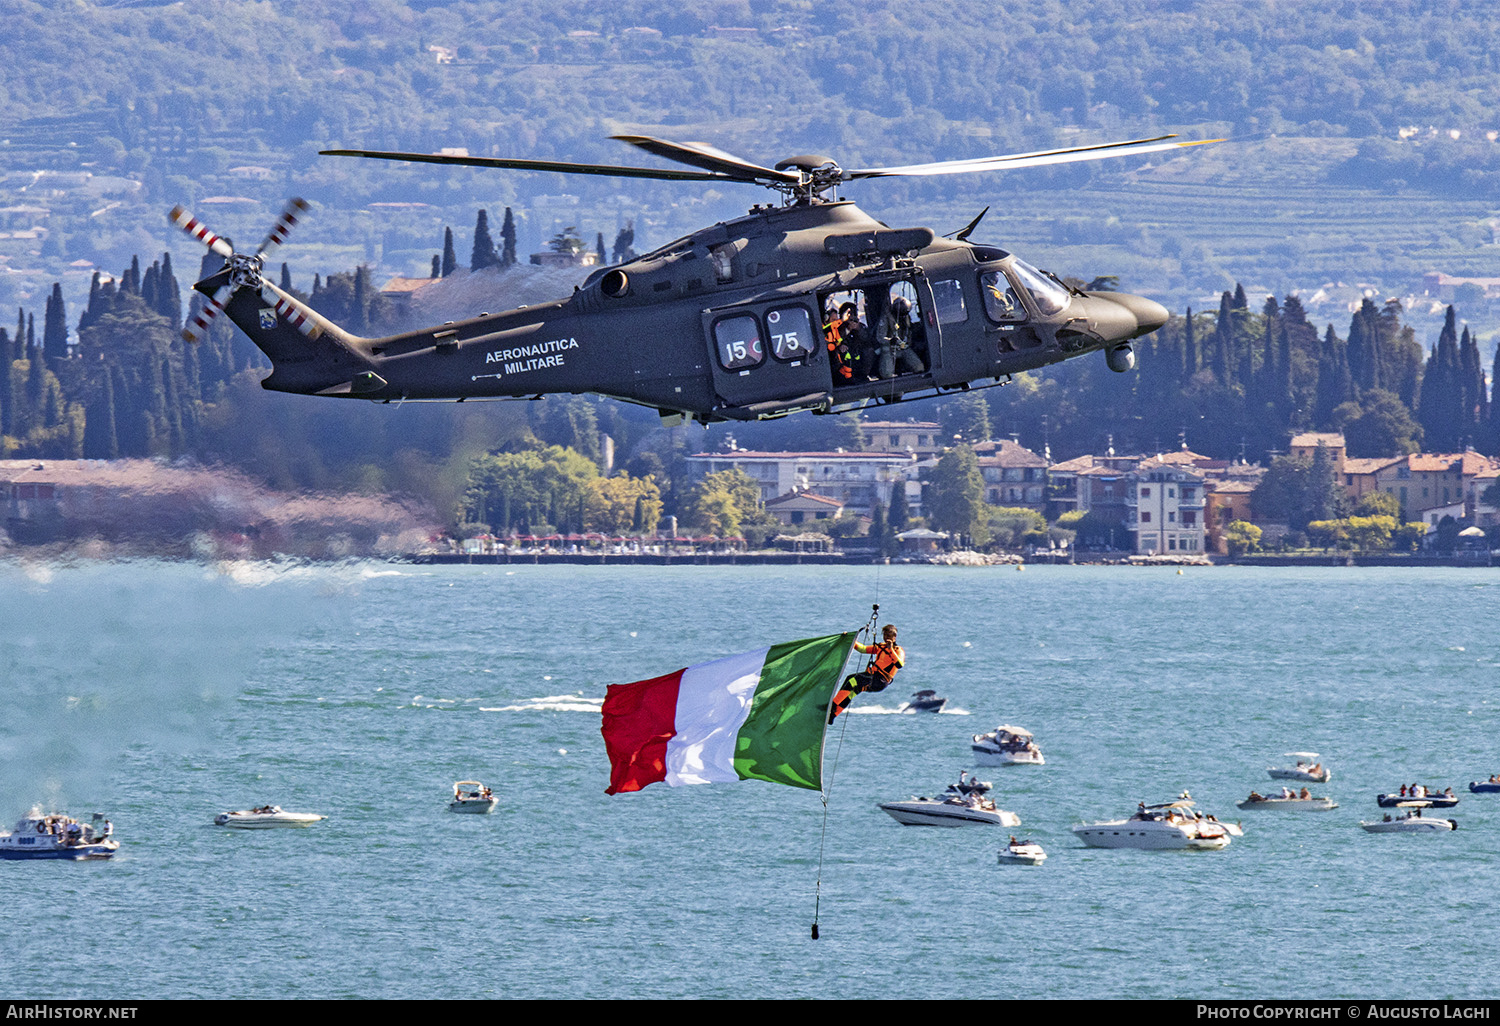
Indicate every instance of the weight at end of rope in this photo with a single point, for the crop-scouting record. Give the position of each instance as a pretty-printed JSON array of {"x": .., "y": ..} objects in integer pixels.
[{"x": 815, "y": 931}]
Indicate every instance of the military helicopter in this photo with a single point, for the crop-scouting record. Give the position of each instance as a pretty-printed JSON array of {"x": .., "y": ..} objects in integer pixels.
[{"x": 808, "y": 304}]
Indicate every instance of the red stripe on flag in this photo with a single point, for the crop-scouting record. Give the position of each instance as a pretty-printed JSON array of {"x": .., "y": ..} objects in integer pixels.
[{"x": 639, "y": 720}]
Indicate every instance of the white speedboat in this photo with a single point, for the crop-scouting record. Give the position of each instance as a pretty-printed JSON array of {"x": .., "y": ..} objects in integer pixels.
[
  {"x": 1306, "y": 768},
  {"x": 471, "y": 796},
  {"x": 265, "y": 817},
  {"x": 1007, "y": 746},
  {"x": 1410, "y": 822},
  {"x": 1173, "y": 825},
  {"x": 953, "y": 811},
  {"x": 1287, "y": 802},
  {"x": 1023, "y": 853},
  {"x": 41, "y": 836},
  {"x": 1418, "y": 796}
]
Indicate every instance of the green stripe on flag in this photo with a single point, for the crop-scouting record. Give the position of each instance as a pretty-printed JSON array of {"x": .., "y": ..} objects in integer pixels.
[{"x": 782, "y": 739}]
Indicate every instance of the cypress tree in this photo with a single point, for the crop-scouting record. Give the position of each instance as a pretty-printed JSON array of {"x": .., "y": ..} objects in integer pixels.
[
  {"x": 359, "y": 316},
  {"x": 6, "y": 398},
  {"x": 1189, "y": 348},
  {"x": 91, "y": 312},
  {"x": 508, "y": 240},
  {"x": 1475, "y": 410},
  {"x": 624, "y": 240},
  {"x": 599, "y": 248},
  {"x": 484, "y": 247},
  {"x": 100, "y": 441},
  {"x": 1442, "y": 392},
  {"x": 286, "y": 278},
  {"x": 899, "y": 513},
  {"x": 1492, "y": 434},
  {"x": 169, "y": 293},
  {"x": 1334, "y": 384},
  {"x": 148, "y": 284},
  {"x": 450, "y": 256},
  {"x": 55, "y": 330},
  {"x": 1224, "y": 339},
  {"x": 130, "y": 281}
]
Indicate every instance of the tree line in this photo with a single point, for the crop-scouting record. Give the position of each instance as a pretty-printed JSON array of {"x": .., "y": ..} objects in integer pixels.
[{"x": 1239, "y": 382}]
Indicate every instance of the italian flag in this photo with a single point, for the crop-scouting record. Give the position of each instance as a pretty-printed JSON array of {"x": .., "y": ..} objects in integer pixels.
[{"x": 759, "y": 715}]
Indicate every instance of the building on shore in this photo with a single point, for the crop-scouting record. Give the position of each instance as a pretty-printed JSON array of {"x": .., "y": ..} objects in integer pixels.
[{"x": 855, "y": 480}]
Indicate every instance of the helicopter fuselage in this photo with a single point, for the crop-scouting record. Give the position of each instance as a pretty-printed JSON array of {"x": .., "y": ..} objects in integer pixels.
[{"x": 738, "y": 321}]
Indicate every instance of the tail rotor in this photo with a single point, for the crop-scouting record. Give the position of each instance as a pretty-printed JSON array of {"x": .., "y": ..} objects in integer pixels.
[
  {"x": 245, "y": 271},
  {"x": 295, "y": 208}
]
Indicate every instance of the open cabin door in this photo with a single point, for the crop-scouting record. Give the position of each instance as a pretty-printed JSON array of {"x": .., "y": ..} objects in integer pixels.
[{"x": 767, "y": 356}]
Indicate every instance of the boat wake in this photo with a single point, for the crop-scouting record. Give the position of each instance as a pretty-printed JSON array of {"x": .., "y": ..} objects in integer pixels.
[{"x": 551, "y": 703}]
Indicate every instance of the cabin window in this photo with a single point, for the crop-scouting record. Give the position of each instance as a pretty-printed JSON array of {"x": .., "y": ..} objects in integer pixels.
[
  {"x": 949, "y": 298},
  {"x": 790, "y": 330},
  {"x": 738, "y": 342},
  {"x": 1001, "y": 302}
]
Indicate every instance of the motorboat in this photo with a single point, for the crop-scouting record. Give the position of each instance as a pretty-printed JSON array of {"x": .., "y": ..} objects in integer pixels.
[
  {"x": 1428, "y": 797},
  {"x": 265, "y": 817},
  {"x": 926, "y": 700},
  {"x": 1023, "y": 853},
  {"x": 471, "y": 796},
  {"x": 1410, "y": 822},
  {"x": 1172, "y": 825},
  {"x": 1007, "y": 746},
  {"x": 953, "y": 811},
  {"x": 1307, "y": 768},
  {"x": 1287, "y": 801},
  {"x": 968, "y": 785},
  {"x": 1490, "y": 786},
  {"x": 39, "y": 835}
]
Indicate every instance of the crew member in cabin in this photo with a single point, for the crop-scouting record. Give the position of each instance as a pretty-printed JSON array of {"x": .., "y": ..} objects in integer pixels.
[{"x": 886, "y": 658}]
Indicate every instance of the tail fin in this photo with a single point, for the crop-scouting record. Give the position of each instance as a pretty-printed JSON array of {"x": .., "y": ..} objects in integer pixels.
[{"x": 309, "y": 353}]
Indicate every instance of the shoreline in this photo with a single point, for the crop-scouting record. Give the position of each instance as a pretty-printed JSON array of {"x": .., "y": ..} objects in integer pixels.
[{"x": 843, "y": 559}]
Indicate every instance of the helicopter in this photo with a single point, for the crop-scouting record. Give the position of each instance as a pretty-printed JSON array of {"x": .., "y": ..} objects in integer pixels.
[{"x": 808, "y": 304}]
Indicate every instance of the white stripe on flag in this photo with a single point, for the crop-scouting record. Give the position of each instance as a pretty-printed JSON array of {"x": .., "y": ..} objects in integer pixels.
[{"x": 713, "y": 702}]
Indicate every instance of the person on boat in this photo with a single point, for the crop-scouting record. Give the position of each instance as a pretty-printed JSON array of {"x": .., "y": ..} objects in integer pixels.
[
  {"x": 886, "y": 658},
  {"x": 1305, "y": 794},
  {"x": 1256, "y": 796}
]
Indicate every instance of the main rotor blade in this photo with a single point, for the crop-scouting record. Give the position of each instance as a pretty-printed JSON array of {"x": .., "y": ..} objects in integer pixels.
[
  {"x": 567, "y": 167},
  {"x": 711, "y": 158},
  {"x": 1039, "y": 158}
]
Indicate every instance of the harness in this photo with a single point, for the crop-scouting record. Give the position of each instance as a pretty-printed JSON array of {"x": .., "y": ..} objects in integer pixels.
[{"x": 884, "y": 662}]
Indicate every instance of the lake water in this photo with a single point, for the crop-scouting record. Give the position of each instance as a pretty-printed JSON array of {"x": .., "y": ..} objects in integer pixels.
[{"x": 162, "y": 694}]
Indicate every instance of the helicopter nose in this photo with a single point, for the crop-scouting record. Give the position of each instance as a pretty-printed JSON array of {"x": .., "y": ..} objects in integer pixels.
[{"x": 1147, "y": 313}]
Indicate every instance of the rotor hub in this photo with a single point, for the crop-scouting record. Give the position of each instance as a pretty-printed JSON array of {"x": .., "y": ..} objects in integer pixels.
[{"x": 245, "y": 270}]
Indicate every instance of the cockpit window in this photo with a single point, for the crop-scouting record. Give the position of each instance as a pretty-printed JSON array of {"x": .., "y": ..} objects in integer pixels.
[
  {"x": 1050, "y": 295},
  {"x": 738, "y": 342},
  {"x": 1000, "y": 300}
]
